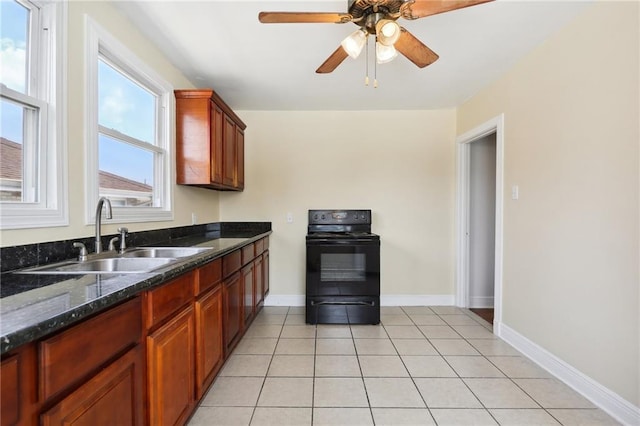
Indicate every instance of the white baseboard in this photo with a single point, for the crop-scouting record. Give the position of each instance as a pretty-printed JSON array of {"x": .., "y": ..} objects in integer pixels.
[
  {"x": 481, "y": 301},
  {"x": 416, "y": 300},
  {"x": 616, "y": 406},
  {"x": 284, "y": 300},
  {"x": 385, "y": 300}
]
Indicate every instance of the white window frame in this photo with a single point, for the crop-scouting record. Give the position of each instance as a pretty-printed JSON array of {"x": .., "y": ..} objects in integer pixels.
[
  {"x": 47, "y": 76},
  {"x": 101, "y": 44}
]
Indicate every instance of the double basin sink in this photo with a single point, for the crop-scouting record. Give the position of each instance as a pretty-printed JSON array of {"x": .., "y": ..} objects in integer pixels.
[{"x": 132, "y": 261}]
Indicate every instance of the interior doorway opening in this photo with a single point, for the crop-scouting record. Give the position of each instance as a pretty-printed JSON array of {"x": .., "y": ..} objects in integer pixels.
[
  {"x": 479, "y": 220},
  {"x": 481, "y": 227}
]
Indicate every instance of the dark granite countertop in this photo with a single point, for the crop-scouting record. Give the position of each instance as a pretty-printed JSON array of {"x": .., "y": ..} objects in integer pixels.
[{"x": 33, "y": 306}]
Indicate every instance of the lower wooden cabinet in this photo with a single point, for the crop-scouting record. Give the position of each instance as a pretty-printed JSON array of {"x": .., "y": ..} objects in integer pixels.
[
  {"x": 71, "y": 357},
  {"x": 258, "y": 278},
  {"x": 248, "y": 293},
  {"x": 145, "y": 361},
  {"x": 10, "y": 391},
  {"x": 18, "y": 393},
  {"x": 233, "y": 310},
  {"x": 112, "y": 397},
  {"x": 170, "y": 370},
  {"x": 265, "y": 273},
  {"x": 209, "y": 339}
]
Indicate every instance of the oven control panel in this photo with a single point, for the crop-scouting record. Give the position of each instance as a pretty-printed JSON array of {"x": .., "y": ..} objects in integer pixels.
[{"x": 339, "y": 217}]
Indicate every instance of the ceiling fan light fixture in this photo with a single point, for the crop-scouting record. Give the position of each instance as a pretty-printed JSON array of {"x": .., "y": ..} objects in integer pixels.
[
  {"x": 387, "y": 31},
  {"x": 354, "y": 43},
  {"x": 384, "y": 53}
]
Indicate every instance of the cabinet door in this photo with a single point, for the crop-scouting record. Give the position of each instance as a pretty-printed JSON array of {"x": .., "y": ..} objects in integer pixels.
[
  {"x": 193, "y": 138},
  {"x": 229, "y": 152},
  {"x": 239, "y": 158},
  {"x": 232, "y": 310},
  {"x": 248, "y": 292},
  {"x": 10, "y": 391},
  {"x": 112, "y": 397},
  {"x": 171, "y": 373},
  {"x": 217, "y": 124},
  {"x": 209, "y": 343},
  {"x": 258, "y": 277},
  {"x": 265, "y": 272}
]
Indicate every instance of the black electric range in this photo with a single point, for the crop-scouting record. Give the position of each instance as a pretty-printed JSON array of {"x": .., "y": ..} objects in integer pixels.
[{"x": 343, "y": 268}]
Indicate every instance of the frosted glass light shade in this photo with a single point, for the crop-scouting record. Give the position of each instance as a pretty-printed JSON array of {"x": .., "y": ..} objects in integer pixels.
[
  {"x": 387, "y": 31},
  {"x": 354, "y": 43},
  {"x": 384, "y": 53}
]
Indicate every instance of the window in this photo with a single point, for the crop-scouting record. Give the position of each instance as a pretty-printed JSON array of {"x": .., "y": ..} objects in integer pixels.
[
  {"x": 127, "y": 132},
  {"x": 32, "y": 144}
]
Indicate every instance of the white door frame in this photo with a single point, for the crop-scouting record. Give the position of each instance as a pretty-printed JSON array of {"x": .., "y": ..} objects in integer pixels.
[{"x": 495, "y": 125}]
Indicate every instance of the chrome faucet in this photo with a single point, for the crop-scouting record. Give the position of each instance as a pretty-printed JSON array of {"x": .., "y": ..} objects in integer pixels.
[{"x": 109, "y": 215}]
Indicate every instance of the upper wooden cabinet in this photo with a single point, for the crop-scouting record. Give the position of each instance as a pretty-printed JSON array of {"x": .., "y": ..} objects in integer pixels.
[{"x": 209, "y": 141}]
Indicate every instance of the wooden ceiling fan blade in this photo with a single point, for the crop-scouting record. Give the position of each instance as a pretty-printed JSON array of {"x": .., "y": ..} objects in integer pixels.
[
  {"x": 421, "y": 8},
  {"x": 303, "y": 17},
  {"x": 333, "y": 61},
  {"x": 414, "y": 49}
]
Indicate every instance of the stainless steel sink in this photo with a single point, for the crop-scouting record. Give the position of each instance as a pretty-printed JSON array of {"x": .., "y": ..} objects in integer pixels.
[
  {"x": 156, "y": 252},
  {"x": 115, "y": 265}
]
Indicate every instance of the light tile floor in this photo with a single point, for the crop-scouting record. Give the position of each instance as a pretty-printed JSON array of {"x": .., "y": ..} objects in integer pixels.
[{"x": 420, "y": 366}]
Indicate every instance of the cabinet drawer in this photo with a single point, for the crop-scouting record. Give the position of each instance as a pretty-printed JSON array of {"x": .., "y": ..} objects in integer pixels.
[
  {"x": 167, "y": 299},
  {"x": 248, "y": 253},
  {"x": 113, "y": 396},
  {"x": 231, "y": 263},
  {"x": 71, "y": 355},
  {"x": 259, "y": 247},
  {"x": 208, "y": 276}
]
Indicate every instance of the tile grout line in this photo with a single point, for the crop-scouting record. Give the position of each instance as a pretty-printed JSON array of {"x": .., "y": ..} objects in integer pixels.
[{"x": 266, "y": 374}]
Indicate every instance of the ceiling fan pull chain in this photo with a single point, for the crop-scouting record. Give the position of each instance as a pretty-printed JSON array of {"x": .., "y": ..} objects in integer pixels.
[
  {"x": 375, "y": 74},
  {"x": 366, "y": 76}
]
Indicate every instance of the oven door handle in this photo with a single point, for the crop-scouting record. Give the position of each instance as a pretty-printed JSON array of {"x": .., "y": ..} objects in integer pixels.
[{"x": 314, "y": 303}]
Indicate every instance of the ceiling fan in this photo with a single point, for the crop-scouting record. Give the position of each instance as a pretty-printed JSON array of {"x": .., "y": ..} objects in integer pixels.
[{"x": 377, "y": 18}]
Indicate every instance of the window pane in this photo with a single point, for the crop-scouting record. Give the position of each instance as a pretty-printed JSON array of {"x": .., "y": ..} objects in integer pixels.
[
  {"x": 126, "y": 173},
  {"x": 18, "y": 152},
  {"x": 124, "y": 105},
  {"x": 14, "y": 27}
]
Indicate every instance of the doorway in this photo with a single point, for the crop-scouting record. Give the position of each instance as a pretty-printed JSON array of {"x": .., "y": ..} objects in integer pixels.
[
  {"x": 482, "y": 221},
  {"x": 479, "y": 219}
]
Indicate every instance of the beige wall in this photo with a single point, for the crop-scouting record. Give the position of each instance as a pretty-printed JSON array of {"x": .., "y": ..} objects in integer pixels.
[
  {"x": 186, "y": 200},
  {"x": 400, "y": 164},
  {"x": 571, "y": 249}
]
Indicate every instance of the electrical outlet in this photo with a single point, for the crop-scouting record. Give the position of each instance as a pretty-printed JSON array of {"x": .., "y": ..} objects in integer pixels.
[{"x": 194, "y": 219}]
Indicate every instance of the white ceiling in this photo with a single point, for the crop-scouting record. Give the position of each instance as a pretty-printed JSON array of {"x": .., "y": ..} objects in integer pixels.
[{"x": 253, "y": 66}]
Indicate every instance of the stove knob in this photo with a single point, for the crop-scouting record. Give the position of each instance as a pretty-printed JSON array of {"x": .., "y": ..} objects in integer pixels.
[
  {"x": 362, "y": 217},
  {"x": 322, "y": 217},
  {"x": 315, "y": 216}
]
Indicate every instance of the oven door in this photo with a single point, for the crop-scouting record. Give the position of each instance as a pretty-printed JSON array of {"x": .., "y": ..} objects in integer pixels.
[{"x": 343, "y": 268}]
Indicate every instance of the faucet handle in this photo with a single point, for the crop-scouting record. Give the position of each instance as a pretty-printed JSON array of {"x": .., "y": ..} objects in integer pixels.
[{"x": 83, "y": 251}]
